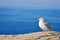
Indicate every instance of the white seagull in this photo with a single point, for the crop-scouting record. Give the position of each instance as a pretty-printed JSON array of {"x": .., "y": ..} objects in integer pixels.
[{"x": 44, "y": 25}]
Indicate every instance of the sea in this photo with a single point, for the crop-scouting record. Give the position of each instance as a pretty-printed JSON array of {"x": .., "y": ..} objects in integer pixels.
[{"x": 22, "y": 21}]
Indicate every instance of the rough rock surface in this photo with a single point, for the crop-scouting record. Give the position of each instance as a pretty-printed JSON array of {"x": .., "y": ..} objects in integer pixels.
[{"x": 33, "y": 36}]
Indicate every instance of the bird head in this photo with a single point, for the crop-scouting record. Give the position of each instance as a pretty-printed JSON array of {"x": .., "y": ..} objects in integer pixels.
[{"x": 41, "y": 19}]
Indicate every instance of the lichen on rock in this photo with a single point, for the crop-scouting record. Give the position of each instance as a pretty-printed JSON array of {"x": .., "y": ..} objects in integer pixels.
[{"x": 33, "y": 36}]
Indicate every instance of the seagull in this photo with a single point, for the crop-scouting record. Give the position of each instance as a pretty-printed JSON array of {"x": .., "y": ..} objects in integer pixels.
[{"x": 44, "y": 25}]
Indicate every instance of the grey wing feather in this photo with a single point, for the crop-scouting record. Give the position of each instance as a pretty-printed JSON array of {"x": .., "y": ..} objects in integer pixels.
[{"x": 48, "y": 26}]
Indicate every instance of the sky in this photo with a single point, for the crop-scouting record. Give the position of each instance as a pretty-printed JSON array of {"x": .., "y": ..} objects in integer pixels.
[{"x": 42, "y": 4}]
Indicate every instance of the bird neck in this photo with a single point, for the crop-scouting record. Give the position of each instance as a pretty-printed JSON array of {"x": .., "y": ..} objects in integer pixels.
[{"x": 40, "y": 22}]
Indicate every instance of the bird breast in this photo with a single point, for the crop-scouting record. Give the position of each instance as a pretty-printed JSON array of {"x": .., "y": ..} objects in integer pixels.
[{"x": 42, "y": 26}]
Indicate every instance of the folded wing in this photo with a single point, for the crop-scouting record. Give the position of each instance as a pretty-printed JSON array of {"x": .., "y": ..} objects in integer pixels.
[{"x": 48, "y": 26}]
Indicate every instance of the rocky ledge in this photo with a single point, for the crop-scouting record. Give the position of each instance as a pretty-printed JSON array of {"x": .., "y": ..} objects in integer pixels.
[{"x": 33, "y": 36}]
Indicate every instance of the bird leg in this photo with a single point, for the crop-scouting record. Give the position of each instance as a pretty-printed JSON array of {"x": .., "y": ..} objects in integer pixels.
[{"x": 44, "y": 31}]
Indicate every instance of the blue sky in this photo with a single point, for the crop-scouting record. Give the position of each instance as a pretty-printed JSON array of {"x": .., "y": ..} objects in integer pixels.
[{"x": 42, "y": 4}]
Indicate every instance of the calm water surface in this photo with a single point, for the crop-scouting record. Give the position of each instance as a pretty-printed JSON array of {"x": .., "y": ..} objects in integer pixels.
[{"x": 13, "y": 21}]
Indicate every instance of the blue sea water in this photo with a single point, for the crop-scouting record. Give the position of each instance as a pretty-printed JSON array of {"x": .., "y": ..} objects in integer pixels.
[{"x": 21, "y": 21}]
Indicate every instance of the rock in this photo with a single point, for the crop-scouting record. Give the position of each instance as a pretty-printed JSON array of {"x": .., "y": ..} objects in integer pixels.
[{"x": 33, "y": 36}]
